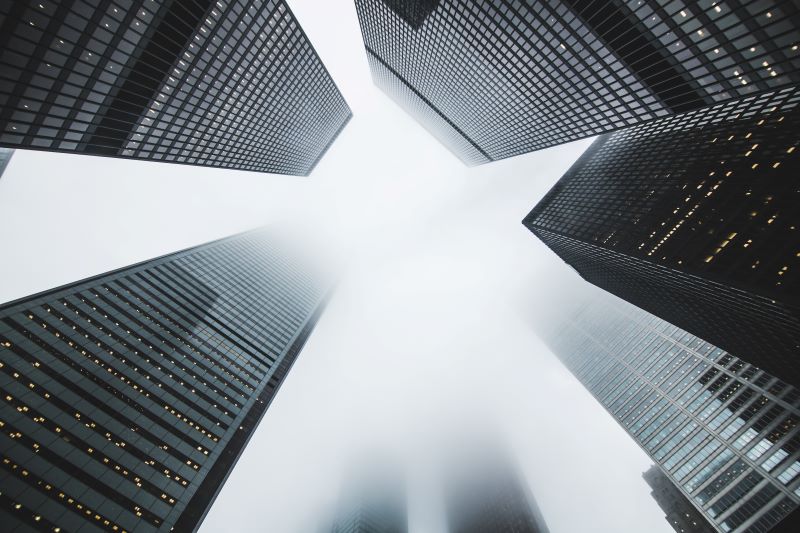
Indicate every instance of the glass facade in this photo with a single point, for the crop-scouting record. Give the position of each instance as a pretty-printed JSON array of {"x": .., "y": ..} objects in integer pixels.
[
  {"x": 679, "y": 511},
  {"x": 694, "y": 218},
  {"x": 226, "y": 83},
  {"x": 128, "y": 397},
  {"x": 499, "y": 78},
  {"x": 724, "y": 432},
  {"x": 5, "y": 157}
]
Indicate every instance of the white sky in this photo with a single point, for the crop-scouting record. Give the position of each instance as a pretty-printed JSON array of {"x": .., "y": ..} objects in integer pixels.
[{"x": 422, "y": 331}]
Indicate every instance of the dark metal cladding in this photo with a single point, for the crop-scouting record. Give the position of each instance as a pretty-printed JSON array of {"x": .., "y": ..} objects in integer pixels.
[
  {"x": 227, "y": 83},
  {"x": 694, "y": 218},
  {"x": 499, "y": 78}
]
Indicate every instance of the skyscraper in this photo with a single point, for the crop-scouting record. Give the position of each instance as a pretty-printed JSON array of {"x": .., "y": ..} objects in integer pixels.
[
  {"x": 680, "y": 513},
  {"x": 127, "y": 398},
  {"x": 499, "y": 78},
  {"x": 372, "y": 500},
  {"x": 5, "y": 157},
  {"x": 228, "y": 83},
  {"x": 694, "y": 218},
  {"x": 484, "y": 491},
  {"x": 724, "y": 432}
]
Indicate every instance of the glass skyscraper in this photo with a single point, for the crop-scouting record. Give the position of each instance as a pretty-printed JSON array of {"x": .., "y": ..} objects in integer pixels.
[
  {"x": 127, "y": 398},
  {"x": 499, "y": 78},
  {"x": 221, "y": 83},
  {"x": 373, "y": 500},
  {"x": 484, "y": 491},
  {"x": 694, "y": 218},
  {"x": 679, "y": 511},
  {"x": 724, "y": 431}
]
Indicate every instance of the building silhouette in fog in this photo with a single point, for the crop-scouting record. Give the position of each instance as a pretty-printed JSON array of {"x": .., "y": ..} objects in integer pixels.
[
  {"x": 128, "y": 397},
  {"x": 679, "y": 511},
  {"x": 723, "y": 431},
  {"x": 484, "y": 491},
  {"x": 372, "y": 500},
  {"x": 495, "y": 79},
  {"x": 694, "y": 218},
  {"x": 232, "y": 84}
]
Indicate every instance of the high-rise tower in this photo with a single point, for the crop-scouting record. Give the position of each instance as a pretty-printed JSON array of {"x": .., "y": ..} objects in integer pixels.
[
  {"x": 694, "y": 218},
  {"x": 484, "y": 491},
  {"x": 499, "y": 78},
  {"x": 224, "y": 83},
  {"x": 723, "y": 431},
  {"x": 373, "y": 500},
  {"x": 127, "y": 398},
  {"x": 679, "y": 511}
]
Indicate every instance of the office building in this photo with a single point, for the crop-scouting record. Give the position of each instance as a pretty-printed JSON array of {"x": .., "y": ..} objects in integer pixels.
[
  {"x": 499, "y": 78},
  {"x": 694, "y": 218},
  {"x": 723, "y": 431},
  {"x": 680, "y": 513},
  {"x": 372, "y": 500},
  {"x": 228, "y": 83},
  {"x": 484, "y": 491},
  {"x": 5, "y": 157},
  {"x": 127, "y": 398}
]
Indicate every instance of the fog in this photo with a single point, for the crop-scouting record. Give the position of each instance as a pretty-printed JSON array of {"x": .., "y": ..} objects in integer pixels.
[{"x": 423, "y": 334}]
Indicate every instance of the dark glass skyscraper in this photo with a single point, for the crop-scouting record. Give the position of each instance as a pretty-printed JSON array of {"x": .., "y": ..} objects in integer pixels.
[
  {"x": 499, "y": 78},
  {"x": 694, "y": 218},
  {"x": 483, "y": 491},
  {"x": 127, "y": 398},
  {"x": 725, "y": 432},
  {"x": 227, "y": 83},
  {"x": 679, "y": 511}
]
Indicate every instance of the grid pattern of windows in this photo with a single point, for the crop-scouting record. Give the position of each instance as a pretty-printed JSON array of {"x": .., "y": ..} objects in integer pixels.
[
  {"x": 724, "y": 432},
  {"x": 221, "y": 83},
  {"x": 509, "y": 77},
  {"x": 680, "y": 513},
  {"x": 694, "y": 218},
  {"x": 126, "y": 399}
]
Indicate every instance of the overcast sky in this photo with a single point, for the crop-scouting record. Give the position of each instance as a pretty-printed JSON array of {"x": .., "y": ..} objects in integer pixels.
[{"x": 423, "y": 333}]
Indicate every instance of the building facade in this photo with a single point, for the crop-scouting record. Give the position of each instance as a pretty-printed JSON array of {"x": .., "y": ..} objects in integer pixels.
[
  {"x": 367, "y": 518},
  {"x": 679, "y": 511},
  {"x": 484, "y": 491},
  {"x": 723, "y": 431},
  {"x": 694, "y": 218},
  {"x": 5, "y": 157},
  {"x": 228, "y": 83},
  {"x": 128, "y": 397},
  {"x": 373, "y": 500},
  {"x": 499, "y": 78}
]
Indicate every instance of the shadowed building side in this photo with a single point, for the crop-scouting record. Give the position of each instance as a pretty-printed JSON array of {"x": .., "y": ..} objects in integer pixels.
[
  {"x": 693, "y": 218},
  {"x": 495, "y": 79}
]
